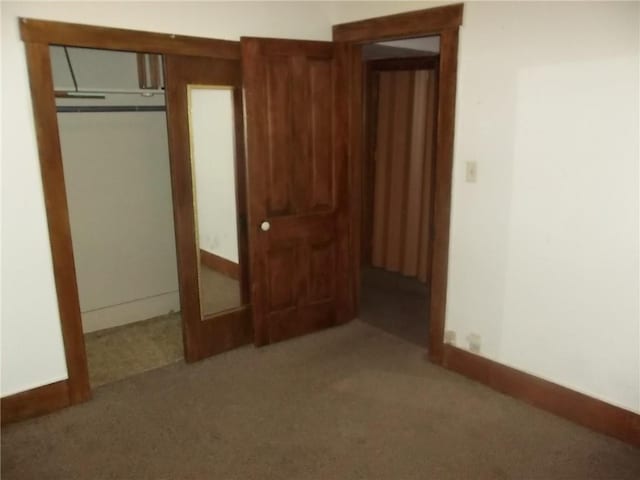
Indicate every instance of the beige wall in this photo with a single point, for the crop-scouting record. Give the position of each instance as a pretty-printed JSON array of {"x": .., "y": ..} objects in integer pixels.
[
  {"x": 117, "y": 178},
  {"x": 116, "y": 167},
  {"x": 544, "y": 253}
]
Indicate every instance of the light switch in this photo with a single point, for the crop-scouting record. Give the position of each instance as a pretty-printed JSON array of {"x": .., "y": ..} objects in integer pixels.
[{"x": 472, "y": 172}]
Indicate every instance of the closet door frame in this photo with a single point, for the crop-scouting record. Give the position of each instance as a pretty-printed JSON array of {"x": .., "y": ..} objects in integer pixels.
[
  {"x": 445, "y": 22},
  {"x": 38, "y": 35}
]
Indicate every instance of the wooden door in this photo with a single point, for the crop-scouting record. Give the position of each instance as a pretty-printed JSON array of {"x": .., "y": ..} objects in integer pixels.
[
  {"x": 204, "y": 334},
  {"x": 297, "y": 131}
]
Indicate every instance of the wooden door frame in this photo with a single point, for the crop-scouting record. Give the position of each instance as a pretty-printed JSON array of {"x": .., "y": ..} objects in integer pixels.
[
  {"x": 445, "y": 22},
  {"x": 38, "y": 35}
]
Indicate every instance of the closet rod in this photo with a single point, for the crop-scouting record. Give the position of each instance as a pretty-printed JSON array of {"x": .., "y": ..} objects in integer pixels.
[{"x": 105, "y": 108}]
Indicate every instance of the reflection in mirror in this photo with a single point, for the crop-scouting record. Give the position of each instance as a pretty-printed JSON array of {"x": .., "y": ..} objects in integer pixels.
[{"x": 211, "y": 126}]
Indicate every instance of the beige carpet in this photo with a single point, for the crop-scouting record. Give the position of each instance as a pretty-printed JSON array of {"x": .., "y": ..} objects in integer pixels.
[
  {"x": 349, "y": 403},
  {"x": 129, "y": 350},
  {"x": 121, "y": 352}
]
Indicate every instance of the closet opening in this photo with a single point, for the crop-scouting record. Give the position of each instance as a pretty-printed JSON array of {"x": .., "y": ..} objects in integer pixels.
[
  {"x": 183, "y": 179},
  {"x": 110, "y": 108},
  {"x": 400, "y": 83}
]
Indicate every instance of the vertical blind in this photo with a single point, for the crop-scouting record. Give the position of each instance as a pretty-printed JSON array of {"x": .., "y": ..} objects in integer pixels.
[{"x": 405, "y": 135}]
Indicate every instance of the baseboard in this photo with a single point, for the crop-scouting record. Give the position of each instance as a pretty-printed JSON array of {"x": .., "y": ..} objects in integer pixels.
[
  {"x": 130, "y": 312},
  {"x": 577, "y": 407},
  {"x": 220, "y": 264},
  {"x": 37, "y": 401}
]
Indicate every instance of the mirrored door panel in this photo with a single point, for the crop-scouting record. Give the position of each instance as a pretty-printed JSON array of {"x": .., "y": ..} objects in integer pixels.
[
  {"x": 205, "y": 115},
  {"x": 213, "y": 160}
]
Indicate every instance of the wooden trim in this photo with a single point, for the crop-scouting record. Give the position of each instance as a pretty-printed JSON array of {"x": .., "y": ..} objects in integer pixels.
[
  {"x": 443, "y": 21},
  {"x": 88, "y": 36},
  {"x": 442, "y": 177},
  {"x": 35, "y": 402},
  {"x": 358, "y": 127},
  {"x": 224, "y": 331},
  {"x": 576, "y": 407},
  {"x": 241, "y": 197},
  {"x": 283, "y": 46},
  {"x": 426, "y": 230},
  {"x": 55, "y": 197},
  {"x": 220, "y": 264},
  {"x": 431, "y": 21}
]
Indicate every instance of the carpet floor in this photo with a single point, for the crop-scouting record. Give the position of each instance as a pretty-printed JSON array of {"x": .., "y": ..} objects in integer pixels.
[
  {"x": 395, "y": 303},
  {"x": 128, "y": 350},
  {"x": 351, "y": 402},
  {"x": 120, "y": 352}
]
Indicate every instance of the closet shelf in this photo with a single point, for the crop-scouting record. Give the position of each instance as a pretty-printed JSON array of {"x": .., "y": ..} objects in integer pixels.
[{"x": 109, "y": 108}]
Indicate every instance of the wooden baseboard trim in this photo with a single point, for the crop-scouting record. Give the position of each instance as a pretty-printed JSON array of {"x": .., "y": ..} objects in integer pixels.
[
  {"x": 35, "y": 402},
  {"x": 220, "y": 265},
  {"x": 577, "y": 407}
]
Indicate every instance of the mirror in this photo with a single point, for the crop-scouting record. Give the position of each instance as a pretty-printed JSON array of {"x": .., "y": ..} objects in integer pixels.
[{"x": 213, "y": 163}]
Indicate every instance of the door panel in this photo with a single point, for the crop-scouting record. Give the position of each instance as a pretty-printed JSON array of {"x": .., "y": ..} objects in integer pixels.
[
  {"x": 299, "y": 118},
  {"x": 214, "y": 284},
  {"x": 297, "y": 162}
]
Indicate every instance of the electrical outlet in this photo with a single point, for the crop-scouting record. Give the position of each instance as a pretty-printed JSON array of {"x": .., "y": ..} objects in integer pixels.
[
  {"x": 471, "y": 172},
  {"x": 475, "y": 342},
  {"x": 450, "y": 337}
]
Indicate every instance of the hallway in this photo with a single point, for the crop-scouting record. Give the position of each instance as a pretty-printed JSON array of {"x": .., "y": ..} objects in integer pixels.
[{"x": 396, "y": 304}]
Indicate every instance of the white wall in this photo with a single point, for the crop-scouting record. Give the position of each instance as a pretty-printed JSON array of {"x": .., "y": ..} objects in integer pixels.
[
  {"x": 116, "y": 168},
  {"x": 101, "y": 70},
  {"x": 544, "y": 247},
  {"x": 211, "y": 126}
]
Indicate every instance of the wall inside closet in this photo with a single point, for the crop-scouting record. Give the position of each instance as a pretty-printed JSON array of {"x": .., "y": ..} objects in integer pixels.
[{"x": 117, "y": 177}]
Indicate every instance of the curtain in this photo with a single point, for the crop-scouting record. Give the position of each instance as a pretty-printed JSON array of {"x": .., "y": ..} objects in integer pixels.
[{"x": 403, "y": 158}]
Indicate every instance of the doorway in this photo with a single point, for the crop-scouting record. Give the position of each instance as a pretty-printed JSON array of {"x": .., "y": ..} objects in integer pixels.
[
  {"x": 400, "y": 86},
  {"x": 197, "y": 62},
  {"x": 443, "y": 22},
  {"x": 112, "y": 126}
]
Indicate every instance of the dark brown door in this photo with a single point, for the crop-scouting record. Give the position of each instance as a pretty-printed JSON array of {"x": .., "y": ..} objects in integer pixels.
[
  {"x": 297, "y": 129},
  {"x": 215, "y": 307}
]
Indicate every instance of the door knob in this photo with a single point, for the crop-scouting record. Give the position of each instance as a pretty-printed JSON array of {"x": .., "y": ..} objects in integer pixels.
[{"x": 265, "y": 226}]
